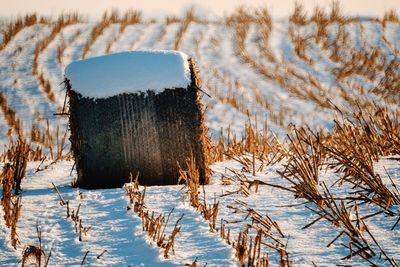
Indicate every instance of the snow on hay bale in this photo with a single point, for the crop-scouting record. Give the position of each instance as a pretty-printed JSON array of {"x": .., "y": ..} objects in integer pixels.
[{"x": 136, "y": 111}]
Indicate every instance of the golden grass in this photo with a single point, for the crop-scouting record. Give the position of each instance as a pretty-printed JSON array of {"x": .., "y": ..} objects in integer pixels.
[
  {"x": 321, "y": 19},
  {"x": 300, "y": 44},
  {"x": 10, "y": 116},
  {"x": 264, "y": 23},
  {"x": 389, "y": 85},
  {"x": 390, "y": 16},
  {"x": 63, "y": 45},
  {"x": 257, "y": 144},
  {"x": 189, "y": 18},
  {"x": 299, "y": 16},
  {"x": 55, "y": 141},
  {"x": 191, "y": 178},
  {"x": 130, "y": 17},
  {"x": 351, "y": 149},
  {"x": 34, "y": 253},
  {"x": 107, "y": 19},
  {"x": 305, "y": 159},
  {"x": 336, "y": 13},
  {"x": 10, "y": 177},
  {"x": 172, "y": 19},
  {"x": 151, "y": 223},
  {"x": 250, "y": 242},
  {"x": 73, "y": 215},
  {"x": 62, "y": 21},
  {"x": 60, "y": 49},
  {"x": 17, "y": 25}
]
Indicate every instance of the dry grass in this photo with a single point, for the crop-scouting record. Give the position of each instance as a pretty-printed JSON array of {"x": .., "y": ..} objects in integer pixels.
[
  {"x": 299, "y": 16},
  {"x": 300, "y": 44},
  {"x": 306, "y": 157},
  {"x": 10, "y": 116},
  {"x": 191, "y": 178},
  {"x": 351, "y": 150},
  {"x": 129, "y": 18},
  {"x": 357, "y": 231},
  {"x": 321, "y": 20},
  {"x": 107, "y": 19},
  {"x": 60, "y": 49},
  {"x": 172, "y": 19},
  {"x": 359, "y": 142},
  {"x": 251, "y": 243},
  {"x": 35, "y": 254},
  {"x": 247, "y": 248},
  {"x": 256, "y": 144},
  {"x": 365, "y": 63},
  {"x": 336, "y": 13},
  {"x": 73, "y": 215},
  {"x": 153, "y": 224},
  {"x": 389, "y": 86},
  {"x": 240, "y": 21},
  {"x": 264, "y": 23},
  {"x": 12, "y": 174},
  {"x": 62, "y": 21},
  {"x": 17, "y": 25},
  {"x": 52, "y": 142},
  {"x": 63, "y": 45},
  {"x": 189, "y": 18},
  {"x": 390, "y": 16}
]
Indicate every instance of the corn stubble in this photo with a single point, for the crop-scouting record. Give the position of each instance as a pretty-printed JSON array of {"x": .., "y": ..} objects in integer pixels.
[
  {"x": 350, "y": 150},
  {"x": 363, "y": 133},
  {"x": 14, "y": 169},
  {"x": 154, "y": 225},
  {"x": 73, "y": 214},
  {"x": 247, "y": 246}
]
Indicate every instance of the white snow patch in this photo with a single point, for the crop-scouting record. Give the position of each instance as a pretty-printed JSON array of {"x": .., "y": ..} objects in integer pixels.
[{"x": 129, "y": 72}]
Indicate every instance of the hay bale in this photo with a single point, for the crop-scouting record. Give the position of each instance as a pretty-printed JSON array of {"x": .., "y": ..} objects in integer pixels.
[{"x": 149, "y": 132}]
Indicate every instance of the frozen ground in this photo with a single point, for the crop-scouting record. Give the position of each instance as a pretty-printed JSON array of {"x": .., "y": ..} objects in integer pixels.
[
  {"x": 222, "y": 70},
  {"x": 118, "y": 230}
]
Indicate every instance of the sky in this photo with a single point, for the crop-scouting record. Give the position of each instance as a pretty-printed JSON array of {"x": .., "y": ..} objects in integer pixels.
[{"x": 159, "y": 8}]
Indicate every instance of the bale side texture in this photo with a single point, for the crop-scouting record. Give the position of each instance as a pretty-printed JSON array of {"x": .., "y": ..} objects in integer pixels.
[{"x": 138, "y": 132}]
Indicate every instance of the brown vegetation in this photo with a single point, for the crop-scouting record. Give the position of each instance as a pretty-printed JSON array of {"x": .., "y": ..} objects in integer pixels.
[
  {"x": 10, "y": 116},
  {"x": 12, "y": 174},
  {"x": 62, "y": 21},
  {"x": 189, "y": 18},
  {"x": 191, "y": 178},
  {"x": 73, "y": 215},
  {"x": 17, "y": 25},
  {"x": 351, "y": 149},
  {"x": 35, "y": 253},
  {"x": 129, "y": 18},
  {"x": 153, "y": 224},
  {"x": 363, "y": 133}
]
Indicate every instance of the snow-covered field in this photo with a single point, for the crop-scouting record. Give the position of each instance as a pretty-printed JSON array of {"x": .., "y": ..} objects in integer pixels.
[
  {"x": 119, "y": 231},
  {"x": 242, "y": 86}
]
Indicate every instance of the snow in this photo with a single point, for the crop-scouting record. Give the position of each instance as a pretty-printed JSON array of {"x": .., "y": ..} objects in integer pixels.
[
  {"x": 223, "y": 72},
  {"x": 129, "y": 72},
  {"x": 119, "y": 231}
]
